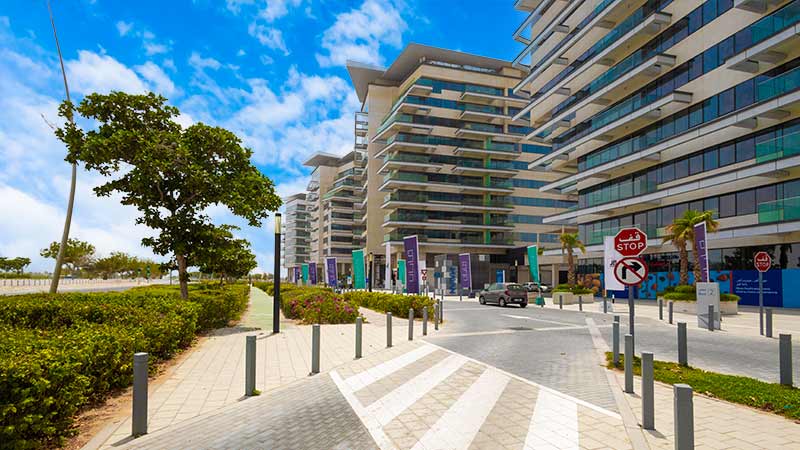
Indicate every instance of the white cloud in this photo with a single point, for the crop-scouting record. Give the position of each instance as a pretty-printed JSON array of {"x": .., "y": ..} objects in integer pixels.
[
  {"x": 124, "y": 27},
  {"x": 157, "y": 78},
  {"x": 102, "y": 73},
  {"x": 266, "y": 60},
  {"x": 276, "y": 9},
  {"x": 199, "y": 62},
  {"x": 269, "y": 36},
  {"x": 359, "y": 34},
  {"x": 152, "y": 48},
  {"x": 241, "y": 52}
]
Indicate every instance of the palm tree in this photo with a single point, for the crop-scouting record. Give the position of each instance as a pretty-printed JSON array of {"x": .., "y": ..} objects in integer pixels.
[
  {"x": 570, "y": 241},
  {"x": 681, "y": 231}
]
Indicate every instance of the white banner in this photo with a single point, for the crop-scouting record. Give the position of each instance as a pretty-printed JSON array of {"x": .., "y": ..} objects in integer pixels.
[{"x": 610, "y": 258}]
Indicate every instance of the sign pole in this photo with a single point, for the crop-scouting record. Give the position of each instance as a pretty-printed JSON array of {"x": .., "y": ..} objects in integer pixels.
[
  {"x": 761, "y": 302},
  {"x": 630, "y": 313}
]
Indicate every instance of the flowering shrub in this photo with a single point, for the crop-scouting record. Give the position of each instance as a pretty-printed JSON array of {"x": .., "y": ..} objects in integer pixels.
[
  {"x": 313, "y": 304},
  {"x": 396, "y": 304}
]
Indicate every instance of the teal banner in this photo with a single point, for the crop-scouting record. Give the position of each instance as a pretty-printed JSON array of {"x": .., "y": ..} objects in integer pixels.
[
  {"x": 401, "y": 272},
  {"x": 305, "y": 274},
  {"x": 533, "y": 262},
  {"x": 359, "y": 279}
]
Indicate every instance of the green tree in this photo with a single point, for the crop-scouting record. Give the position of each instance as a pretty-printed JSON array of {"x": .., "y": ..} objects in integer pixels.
[
  {"x": 226, "y": 256},
  {"x": 171, "y": 174},
  {"x": 78, "y": 254},
  {"x": 569, "y": 242},
  {"x": 681, "y": 231},
  {"x": 14, "y": 264}
]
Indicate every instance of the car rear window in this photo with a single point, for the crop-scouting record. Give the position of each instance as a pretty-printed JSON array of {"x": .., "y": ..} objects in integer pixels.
[{"x": 514, "y": 287}]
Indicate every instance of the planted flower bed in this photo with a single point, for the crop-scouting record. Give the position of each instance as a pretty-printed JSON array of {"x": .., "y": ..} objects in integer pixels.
[{"x": 313, "y": 304}]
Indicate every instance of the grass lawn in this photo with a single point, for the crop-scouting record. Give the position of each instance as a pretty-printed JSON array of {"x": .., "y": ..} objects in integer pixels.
[{"x": 771, "y": 397}]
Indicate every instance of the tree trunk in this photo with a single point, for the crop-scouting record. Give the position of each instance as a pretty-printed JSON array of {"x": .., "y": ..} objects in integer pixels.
[
  {"x": 183, "y": 276},
  {"x": 684, "y": 269},
  {"x": 570, "y": 268},
  {"x": 696, "y": 269}
]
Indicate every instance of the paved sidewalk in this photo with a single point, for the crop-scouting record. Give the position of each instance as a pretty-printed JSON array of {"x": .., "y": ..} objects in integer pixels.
[
  {"x": 212, "y": 375},
  {"x": 412, "y": 396},
  {"x": 717, "y": 424}
]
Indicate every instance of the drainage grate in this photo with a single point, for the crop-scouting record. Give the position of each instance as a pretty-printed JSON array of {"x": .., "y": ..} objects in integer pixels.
[{"x": 520, "y": 328}]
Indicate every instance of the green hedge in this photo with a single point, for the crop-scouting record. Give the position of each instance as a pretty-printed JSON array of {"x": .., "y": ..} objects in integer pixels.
[
  {"x": 313, "y": 304},
  {"x": 62, "y": 352},
  {"x": 577, "y": 289},
  {"x": 396, "y": 304},
  {"x": 685, "y": 293}
]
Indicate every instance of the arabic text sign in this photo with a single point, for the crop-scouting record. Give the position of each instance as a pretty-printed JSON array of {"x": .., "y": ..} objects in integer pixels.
[
  {"x": 701, "y": 245},
  {"x": 465, "y": 270},
  {"x": 630, "y": 242},
  {"x": 411, "y": 248},
  {"x": 762, "y": 261}
]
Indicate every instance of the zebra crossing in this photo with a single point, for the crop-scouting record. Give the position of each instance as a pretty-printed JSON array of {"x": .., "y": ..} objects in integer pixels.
[{"x": 428, "y": 398}]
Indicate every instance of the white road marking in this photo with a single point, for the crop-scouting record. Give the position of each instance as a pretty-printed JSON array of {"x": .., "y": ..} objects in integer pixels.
[
  {"x": 460, "y": 423},
  {"x": 554, "y": 423},
  {"x": 373, "y": 427},
  {"x": 369, "y": 376},
  {"x": 540, "y": 320},
  {"x": 397, "y": 401}
]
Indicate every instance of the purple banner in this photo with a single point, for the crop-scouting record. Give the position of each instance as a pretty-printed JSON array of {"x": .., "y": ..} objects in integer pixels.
[
  {"x": 465, "y": 271},
  {"x": 411, "y": 246},
  {"x": 701, "y": 247},
  {"x": 296, "y": 274},
  {"x": 331, "y": 271},
  {"x": 312, "y": 272}
]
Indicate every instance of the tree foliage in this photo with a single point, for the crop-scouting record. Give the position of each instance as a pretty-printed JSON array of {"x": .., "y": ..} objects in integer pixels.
[
  {"x": 171, "y": 175},
  {"x": 570, "y": 242},
  {"x": 16, "y": 265},
  {"x": 78, "y": 254},
  {"x": 226, "y": 256},
  {"x": 681, "y": 231}
]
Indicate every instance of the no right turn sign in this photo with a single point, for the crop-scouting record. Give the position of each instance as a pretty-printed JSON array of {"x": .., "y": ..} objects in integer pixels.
[{"x": 630, "y": 271}]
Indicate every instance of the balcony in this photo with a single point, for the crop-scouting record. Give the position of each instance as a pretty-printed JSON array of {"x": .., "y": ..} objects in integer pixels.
[
  {"x": 785, "y": 209},
  {"x": 484, "y": 130},
  {"x": 490, "y": 95},
  {"x": 613, "y": 85},
  {"x": 400, "y": 122},
  {"x": 526, "y": 5},
  {"x": 431, "y": 238},
  {"x": 423, "y": 202},
  {"x": 498, "y": 168},
  {"x": 633, "y": 32},
  {"x": 779, "y": 147},
  {"x": 409, "y": 160},
  {"x": 422, "y": 182},
  {"x": 500, "y": 150},
  {"x": 491, "y": 113},
  {"x": 596, "y": 237},
  {"x": 768, "y": 40},
  {"x": 424, "y": 220}
]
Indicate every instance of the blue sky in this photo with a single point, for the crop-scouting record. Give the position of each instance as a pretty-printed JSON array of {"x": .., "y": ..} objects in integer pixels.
[{"x": 272, "y": 71}]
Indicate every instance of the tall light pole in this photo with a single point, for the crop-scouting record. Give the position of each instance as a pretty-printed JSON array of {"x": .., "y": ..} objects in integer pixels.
[
  {"x": 71, "y": 202},
  {"x": 276, "y": 297},
  {"x": 371, "y": 257}
]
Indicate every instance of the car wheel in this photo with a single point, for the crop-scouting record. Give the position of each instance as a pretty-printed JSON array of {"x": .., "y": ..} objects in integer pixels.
[
  {"x": 523, "y": 304},
  {"x": 482, "y": 300},
  {"x": 502, "y": 302}
]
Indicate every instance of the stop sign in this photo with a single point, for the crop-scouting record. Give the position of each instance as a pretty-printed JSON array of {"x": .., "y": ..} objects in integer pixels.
[
  {"x": 630, "y": 242},
  {"x": 762, "y": 261}
]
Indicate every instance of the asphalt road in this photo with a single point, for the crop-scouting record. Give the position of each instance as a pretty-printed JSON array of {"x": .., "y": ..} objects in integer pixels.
[{"x": 554, "y": 347}]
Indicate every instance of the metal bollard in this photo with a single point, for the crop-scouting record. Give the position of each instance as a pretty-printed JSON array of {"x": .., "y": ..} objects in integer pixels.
[
  {"x": 710, "y": 317},
  {"x": 648, "y": 397},
  {"x": 629, "y": 363},
  {"x": 436, "y": 317},
  {"x": 441, "y": 310},
  {"x": 683, "y": 350},
  {"x": 605, "y": 305},
  {"x": 315, "y": 332},
  {"x": 388, "y": 329},
  {"x": 670, "y": 312},
  {"x": 683, "y": 417},
  {"x": 139, "y": 416},
  {"x": 660, "y": 309},
  {"x": 560, "y": 301},
  {"x": 410, "y": 324},
  {"x": 359, "y": 323},
  {"x": 250, "y": 366},
  {"x": 615, "y": 342},
  {"x": 424, "y": 321},
  {"x": 785, "y": 350},
  {"x": 580, "y": 303},
  {"x": 769, "y": 322}
]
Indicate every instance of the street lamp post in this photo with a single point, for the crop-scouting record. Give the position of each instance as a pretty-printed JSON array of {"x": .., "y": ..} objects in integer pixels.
[
  {"x": 369, "y": 285},
  {"x": 276, "y": 297}
]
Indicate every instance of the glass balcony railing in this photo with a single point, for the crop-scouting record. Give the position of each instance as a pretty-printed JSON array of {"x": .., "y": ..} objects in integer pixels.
[
  {"x": 408, "y": 157},
  {"x": 500, "y": 165},
  {"x": 616, "y": 191},
  {"x": 485, "y": 127},
  {"x": 779, "y": 147},
  {"x": 778, "y": 85},
  {"x": 779, "y": 210},
  {"x": 596, "y": 236},
  {"x": 468, "y": 201},
  {"x": 767, "y": 27},
  {"x": 483, "y": 90},
  {"x": 462, "y": 238}
]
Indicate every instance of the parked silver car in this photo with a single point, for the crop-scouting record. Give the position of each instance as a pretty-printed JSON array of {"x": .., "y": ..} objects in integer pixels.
[{"x": 504, "y": 294}]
